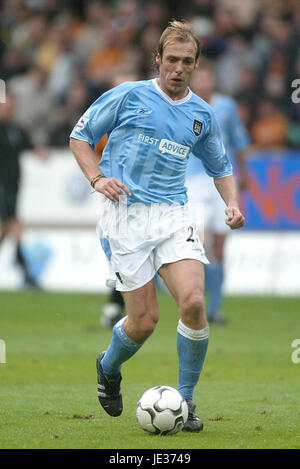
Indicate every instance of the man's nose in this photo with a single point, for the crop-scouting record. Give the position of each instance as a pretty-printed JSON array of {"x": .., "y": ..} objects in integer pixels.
[{"x": 179, "y": 67}]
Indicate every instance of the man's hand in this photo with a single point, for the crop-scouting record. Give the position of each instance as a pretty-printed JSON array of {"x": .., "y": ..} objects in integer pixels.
[
  {"x": 235, "y": 218},
  {"x": 112, "y": 188},
  {"x": 227, "y": 190}
]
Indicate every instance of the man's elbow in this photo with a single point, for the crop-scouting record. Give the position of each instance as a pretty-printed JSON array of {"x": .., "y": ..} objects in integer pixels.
[
  {"x": 72, "y": 143},
  {"x": 78, "y": 144},
  {"x": 75, "y": 145}
]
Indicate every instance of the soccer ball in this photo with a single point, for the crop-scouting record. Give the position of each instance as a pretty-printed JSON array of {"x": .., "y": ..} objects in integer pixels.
[{"x": 162, "y": 410}]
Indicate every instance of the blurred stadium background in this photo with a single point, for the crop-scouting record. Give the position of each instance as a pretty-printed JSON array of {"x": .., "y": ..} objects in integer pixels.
[{"x": 57, "y": 57}]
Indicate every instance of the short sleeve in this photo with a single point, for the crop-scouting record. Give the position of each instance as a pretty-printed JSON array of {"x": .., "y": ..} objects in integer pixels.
[
  {"x": 210, "y": 149},
  {"x": 101, "y": 117},
  {"x": 238, "y": 135}
]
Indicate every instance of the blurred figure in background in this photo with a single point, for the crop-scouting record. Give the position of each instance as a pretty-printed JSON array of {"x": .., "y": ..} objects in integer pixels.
[
  {"x": 34, "y": 106},
  {"x": 270, "y": 127},
  {"x": 61, "y": 55},
  {"x": 13, "y": 141},
  {"x": 49, "y": 44},
  {"x": 202, "y": 192},
  {"x": 207, "y": 205},
  {"x": 68, "y": 111},
  {"x": 113, "y": 310}
]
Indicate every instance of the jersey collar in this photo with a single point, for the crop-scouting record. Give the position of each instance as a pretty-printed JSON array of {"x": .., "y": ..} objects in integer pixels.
[{"x": 170, "y": 100}]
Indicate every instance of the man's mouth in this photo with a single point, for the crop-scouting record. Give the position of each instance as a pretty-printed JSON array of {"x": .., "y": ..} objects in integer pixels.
[{"x": 177, "y": 81}]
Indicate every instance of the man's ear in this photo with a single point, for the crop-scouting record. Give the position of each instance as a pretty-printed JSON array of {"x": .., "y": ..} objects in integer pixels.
[{"x": 158, "y": 59}]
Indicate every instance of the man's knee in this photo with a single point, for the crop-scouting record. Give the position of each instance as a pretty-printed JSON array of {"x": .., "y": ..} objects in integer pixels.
[
  {"x": 192, "y": 309},
  {"x": 141, "y": 326},
  {"x": 147, "y": 326}
]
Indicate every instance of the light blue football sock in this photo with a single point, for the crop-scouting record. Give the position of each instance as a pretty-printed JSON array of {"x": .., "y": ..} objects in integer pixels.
[
  {"x": 214, "y": 276},
  {"x": 120, "y": 349},
  {"x": 191, "y": 348}
]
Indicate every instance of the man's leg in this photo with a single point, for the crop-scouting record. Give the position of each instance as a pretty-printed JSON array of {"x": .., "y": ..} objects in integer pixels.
[
  {"x": 113, "y": 309},
  {"x": 16, "y": 230},
  {"x": 214, "y": 273},
  {"x": 185, "y": 280},
  {"x": 128, "y": 336},
  {"x": 4, "y": 230},
  {"x": 14, "y": 227},
  {"x": 132, "y": 331}
]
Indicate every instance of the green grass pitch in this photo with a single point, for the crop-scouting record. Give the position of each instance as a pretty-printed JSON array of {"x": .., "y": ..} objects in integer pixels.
[{"x": 248, "y": 394}]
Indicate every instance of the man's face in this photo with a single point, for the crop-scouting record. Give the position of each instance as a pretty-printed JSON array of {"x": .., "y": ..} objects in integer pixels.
[
  {"x": 203, "y": 83},
  {"x": 176, "y": 67}
]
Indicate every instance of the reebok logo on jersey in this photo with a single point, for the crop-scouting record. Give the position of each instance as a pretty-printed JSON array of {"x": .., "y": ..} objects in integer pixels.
[
  {"x": 143, "y": 111},
  {"x": 81, "y": 123},
  {"x": 173, "y": 148}
]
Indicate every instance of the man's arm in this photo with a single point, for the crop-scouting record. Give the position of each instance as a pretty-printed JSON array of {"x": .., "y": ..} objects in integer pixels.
[
  {"x": 111, "y": 187},
  {"x": 241, "y": 156},
  {"x": 242, "y": 181},
  {"x": 227, "y": 189}
]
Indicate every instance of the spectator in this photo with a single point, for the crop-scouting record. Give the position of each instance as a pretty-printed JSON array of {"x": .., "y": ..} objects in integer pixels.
[
  {"x": 89, "y": 37},
  {"x": 68, "y": 112},
  {"x": 62, "y": 71},
  {"x": 13, "y": 140},
  {"x": 269, "y": 129},
  {"x": 47, "y": 45},
  {"x": 34, "y": 106}
]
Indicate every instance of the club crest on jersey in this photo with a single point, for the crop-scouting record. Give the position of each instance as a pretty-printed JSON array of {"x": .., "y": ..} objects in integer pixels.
[
  {"x": 197, "y": 127},
  {"x": 81, "y": 123}
]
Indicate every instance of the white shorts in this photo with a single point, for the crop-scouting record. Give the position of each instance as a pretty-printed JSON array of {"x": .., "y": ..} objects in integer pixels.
[
  {"x": 207, "y": 206},
  {"x": 138, "y": 239}
]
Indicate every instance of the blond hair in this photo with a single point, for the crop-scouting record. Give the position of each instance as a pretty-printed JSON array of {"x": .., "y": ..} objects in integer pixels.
[{"x": 178, "y": 31}]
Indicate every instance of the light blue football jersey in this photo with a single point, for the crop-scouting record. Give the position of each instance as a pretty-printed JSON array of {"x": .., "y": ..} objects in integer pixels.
[
  {"x": 150, "y": 138},
  {"x": 234, "y": 134}
]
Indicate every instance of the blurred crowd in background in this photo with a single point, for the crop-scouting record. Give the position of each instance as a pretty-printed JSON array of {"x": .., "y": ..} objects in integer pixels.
[{"x": 58, "y": 56}]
